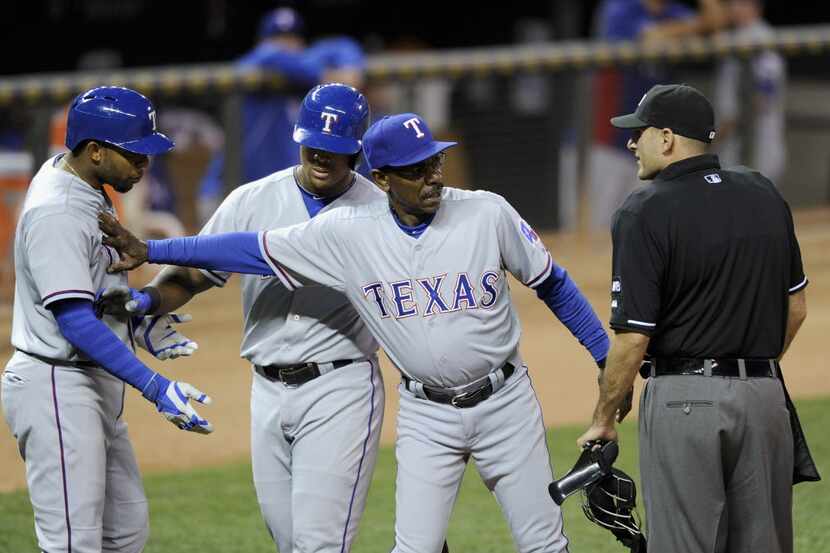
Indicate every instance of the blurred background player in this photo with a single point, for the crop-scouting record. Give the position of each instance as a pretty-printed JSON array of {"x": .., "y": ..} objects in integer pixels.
[
  {"x": 757, "y": 85},
  {"x": 268, "y": 117},
  {"x": 610, "y": 165}
]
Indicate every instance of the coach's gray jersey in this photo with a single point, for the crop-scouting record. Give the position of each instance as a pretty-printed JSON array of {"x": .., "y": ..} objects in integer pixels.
[
  {"x": 287, "y": 326},
  {"x": 438, "y": 304},
  {"x": 58, "y": 255}
]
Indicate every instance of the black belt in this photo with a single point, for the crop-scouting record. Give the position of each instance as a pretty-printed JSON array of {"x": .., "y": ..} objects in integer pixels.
[
  {"x": 740, "y": 368},
  {"x": 296, "y": 375},
  {"x": 61, "y": 362},
  {"x": 466, "y": 398}
]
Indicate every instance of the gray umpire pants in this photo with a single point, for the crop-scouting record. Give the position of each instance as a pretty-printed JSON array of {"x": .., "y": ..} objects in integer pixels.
[{"x": 716, "y": 463}]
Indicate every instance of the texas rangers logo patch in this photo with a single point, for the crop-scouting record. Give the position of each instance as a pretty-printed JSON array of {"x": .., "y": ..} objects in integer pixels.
[{"x": 529, "y": 233}]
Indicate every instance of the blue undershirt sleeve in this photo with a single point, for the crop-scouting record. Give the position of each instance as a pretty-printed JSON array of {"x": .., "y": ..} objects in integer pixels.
[
  {"x": 78, "y": 324},
  {"x": 232, "y": 252},
  {"x": 562, "y": 296}
]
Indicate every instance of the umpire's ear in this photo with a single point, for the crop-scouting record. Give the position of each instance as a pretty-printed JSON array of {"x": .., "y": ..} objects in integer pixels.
[{"x": 381, "y": 179}]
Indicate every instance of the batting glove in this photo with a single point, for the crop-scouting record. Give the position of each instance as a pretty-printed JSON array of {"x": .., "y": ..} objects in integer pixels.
[
  {"x": 172, "y": 399},
  {"x": 157, "y": 335},
  {"x": 121, "y": 301}
]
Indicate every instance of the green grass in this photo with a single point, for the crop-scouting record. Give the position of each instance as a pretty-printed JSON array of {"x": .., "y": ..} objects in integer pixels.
[{"x": 215, "y": 510}]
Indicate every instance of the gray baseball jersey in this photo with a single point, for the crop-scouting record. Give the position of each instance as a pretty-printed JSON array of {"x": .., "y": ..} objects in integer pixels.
[
  {"x": 81, "y": 471},
  {"x": 285, "y": 326},
  {"x": 439, "y": 304},
  {"x": 58, "y": 255},
  {"x": 313, "y": 447}
]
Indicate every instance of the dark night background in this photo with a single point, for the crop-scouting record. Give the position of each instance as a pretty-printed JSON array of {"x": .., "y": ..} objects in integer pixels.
[{"x": 51, "y": 35}]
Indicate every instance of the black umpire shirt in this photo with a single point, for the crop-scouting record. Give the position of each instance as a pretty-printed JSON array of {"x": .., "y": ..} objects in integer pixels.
[{"x": 704, "y": 259}]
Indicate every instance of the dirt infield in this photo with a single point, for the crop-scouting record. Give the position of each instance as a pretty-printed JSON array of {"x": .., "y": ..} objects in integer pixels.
[{"x": 562, "y": 372}]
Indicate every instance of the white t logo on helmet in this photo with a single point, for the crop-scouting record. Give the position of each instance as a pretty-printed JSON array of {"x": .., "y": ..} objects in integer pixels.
[
  {"x": 152, "y": 115},
  {"x": 329, "y": 117},
  {"x": 413, "y": 124}
]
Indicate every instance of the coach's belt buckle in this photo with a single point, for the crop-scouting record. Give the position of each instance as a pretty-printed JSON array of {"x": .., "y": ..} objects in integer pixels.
[
  {"x": 459, "y": 400},
  {"x": 289, "y": 375}
]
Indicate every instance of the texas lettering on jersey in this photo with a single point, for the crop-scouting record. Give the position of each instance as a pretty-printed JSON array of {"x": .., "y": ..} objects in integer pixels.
[{"x": 444, "y": 294}]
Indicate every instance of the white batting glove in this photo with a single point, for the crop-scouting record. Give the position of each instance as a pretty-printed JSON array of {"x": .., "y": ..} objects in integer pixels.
[
  {"x": 172, "y": 399},
  {"x": 157, "y": 335}
]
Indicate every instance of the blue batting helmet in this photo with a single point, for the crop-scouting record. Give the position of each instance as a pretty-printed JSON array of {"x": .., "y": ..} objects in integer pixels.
[
  {"x": 117, "y": 116},
  {"x": 333, "y": 117}
]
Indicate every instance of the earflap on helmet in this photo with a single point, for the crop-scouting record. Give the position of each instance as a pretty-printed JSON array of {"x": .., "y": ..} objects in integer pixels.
[{"x": 611, "y": 503}]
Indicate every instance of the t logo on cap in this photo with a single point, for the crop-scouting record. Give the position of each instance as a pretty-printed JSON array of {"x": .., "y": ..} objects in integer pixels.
[
  {"x": 413, "y": 124},
  {"x": 329, "y": 117},
  {"x": 392, "y": 142}
]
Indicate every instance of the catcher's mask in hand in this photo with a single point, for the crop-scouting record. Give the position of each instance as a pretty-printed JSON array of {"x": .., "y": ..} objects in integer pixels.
[
  {"x": 611, "y": 503},
  {"x": 594, "y": 463}
]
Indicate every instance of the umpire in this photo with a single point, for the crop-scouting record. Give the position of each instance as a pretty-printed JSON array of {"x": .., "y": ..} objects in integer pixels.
[{"x": 707, "y": 283}]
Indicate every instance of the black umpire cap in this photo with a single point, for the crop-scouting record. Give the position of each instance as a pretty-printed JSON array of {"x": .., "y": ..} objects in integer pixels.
[{"x": 679, "y": 107}]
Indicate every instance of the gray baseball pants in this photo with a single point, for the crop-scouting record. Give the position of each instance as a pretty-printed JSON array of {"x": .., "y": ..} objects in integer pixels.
[
  {"x": 83, "y": 479},
  {"x": 716, "y": 463}
]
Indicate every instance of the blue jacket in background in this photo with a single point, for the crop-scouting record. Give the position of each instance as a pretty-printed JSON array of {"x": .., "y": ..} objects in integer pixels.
[{"x": 268, "y": 117}]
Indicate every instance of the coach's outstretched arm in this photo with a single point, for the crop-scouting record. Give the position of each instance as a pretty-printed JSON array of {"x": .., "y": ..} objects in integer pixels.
[{"x": 233, "y": 252}]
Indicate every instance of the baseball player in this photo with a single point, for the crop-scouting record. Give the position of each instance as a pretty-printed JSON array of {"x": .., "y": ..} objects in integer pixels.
[
  {"x": 63, "y": 390},
  {"x": 760, "y": 91},
  {"x": 426, "y": 269},
  {"x": 317, "y": 395}
]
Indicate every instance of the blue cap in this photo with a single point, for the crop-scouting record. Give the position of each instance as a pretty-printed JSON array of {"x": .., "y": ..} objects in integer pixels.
[
  {"x": 279, "y": 22},
  {"x": 118, "y": 116},
  {"x": 399, "y": 140}
]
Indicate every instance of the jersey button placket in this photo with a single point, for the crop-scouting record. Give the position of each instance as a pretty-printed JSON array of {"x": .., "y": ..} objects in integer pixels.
[{"x": 418, "y": 268}]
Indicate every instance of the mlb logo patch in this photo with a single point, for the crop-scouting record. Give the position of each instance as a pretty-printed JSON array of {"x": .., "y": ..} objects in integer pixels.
[
  {"x": 529, "y": 233},
  {"x": 616, "y": 293},
  {"x": 712, "y": 178}
]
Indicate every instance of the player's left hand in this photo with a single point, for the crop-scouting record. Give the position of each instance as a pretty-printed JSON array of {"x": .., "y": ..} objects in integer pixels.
[
  {"x": 174, "y": 404},
  {"x": 597, "y": 433},
  {"x": 157, "y": 335},
  {"x": 121, "y": 301},
  {"x": 133, "y": 252}
]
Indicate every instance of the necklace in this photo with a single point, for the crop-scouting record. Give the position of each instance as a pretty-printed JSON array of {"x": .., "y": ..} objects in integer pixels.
[{"x": 72, "y": 169}]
